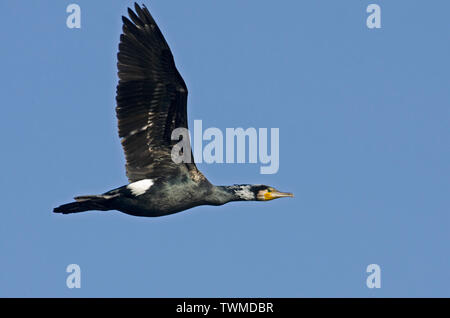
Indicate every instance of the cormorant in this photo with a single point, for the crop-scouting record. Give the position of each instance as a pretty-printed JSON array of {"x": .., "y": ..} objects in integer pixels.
[{"x": 151, "y": 103}]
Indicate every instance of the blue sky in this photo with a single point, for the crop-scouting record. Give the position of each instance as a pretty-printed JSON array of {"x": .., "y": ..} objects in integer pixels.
[{"x": 364, "y": 123}]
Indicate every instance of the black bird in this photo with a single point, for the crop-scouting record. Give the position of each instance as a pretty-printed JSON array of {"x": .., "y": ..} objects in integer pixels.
[{"x": 151, "y": 103}]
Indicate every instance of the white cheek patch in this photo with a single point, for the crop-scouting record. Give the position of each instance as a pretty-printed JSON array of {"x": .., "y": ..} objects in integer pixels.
[{"x": 140, "y": 187}]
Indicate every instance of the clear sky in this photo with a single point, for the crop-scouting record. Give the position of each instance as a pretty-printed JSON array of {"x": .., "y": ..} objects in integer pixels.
[{"x": 364, "y": 119}]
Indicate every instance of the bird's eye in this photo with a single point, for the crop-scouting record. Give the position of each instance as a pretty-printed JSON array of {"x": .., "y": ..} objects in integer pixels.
[{"x": 269, "y": 190}]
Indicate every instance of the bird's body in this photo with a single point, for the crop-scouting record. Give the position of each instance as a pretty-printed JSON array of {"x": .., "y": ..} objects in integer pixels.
[
  {"x": 163, "y": 197},
  {"x": 151, "y": 103}
]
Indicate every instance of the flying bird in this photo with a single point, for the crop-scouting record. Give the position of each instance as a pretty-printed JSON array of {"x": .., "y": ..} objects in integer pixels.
[{"x": 151, "y": 102}]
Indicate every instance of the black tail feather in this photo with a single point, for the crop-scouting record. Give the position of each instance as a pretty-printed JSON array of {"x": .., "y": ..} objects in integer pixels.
[{"x": 85, "y": 203}]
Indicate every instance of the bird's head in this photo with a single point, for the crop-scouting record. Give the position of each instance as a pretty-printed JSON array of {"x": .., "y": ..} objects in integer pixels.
[
  {"x": 266, "y": 193},
  {"x": 258, "y": 192}
]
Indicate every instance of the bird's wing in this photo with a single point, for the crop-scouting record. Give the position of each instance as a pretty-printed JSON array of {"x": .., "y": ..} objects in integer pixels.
[{"x": 151, "y": 99}]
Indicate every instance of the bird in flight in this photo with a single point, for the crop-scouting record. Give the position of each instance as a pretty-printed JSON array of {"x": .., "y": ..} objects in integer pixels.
[{"x": 151, "y": 102}]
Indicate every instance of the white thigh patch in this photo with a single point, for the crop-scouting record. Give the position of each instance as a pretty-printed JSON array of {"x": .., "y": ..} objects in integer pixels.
[{"x": 140, "y": 187}]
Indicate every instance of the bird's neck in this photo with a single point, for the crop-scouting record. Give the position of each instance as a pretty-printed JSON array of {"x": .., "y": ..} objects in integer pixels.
[{"x": 224, "y": 194}]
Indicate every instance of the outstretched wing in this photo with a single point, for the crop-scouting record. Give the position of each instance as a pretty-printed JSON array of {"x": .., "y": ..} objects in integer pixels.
[{"x": 151, "y": 99}]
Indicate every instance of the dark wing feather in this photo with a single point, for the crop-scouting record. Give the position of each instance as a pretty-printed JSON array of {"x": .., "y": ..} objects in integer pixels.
[{"x": 151, "y": 99}]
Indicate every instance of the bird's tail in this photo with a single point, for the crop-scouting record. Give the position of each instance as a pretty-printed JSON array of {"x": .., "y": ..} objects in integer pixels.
[{"x": 85, "y": 203}]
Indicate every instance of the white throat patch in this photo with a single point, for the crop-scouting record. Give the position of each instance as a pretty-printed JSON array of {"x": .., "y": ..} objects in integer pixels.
[{"x": 140, "y": 187}]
